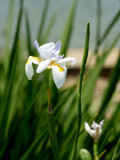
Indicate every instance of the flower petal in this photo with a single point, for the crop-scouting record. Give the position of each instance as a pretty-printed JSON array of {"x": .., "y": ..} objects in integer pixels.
[
  {"x": 89, "y": 130},
  {"x": 59, "y": 76},
  {"x": 64, "y": 60},
  {"x": 87, "y": 127},
  {"x": 48, "y": 46},
  {"x": 42, "y": 54},
  {"x": 43, "y": 65},
  {"x": 101, "y": 123},
  {"x": 29, "y": 68},
  {"x": 56, "y": 49},
  {"x": 95, "y": 125}
]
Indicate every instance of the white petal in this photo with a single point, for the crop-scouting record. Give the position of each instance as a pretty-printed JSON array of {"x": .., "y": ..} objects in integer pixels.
[
  {"x": 64, "y": 60},
  {"x": 48, "y": 46},
  {"x": 43, "y": 65},
  {"x": 42, "y": 53},
  {"x": 95, "y": 125},
  {"x": 101, "y": 122},
  {"x": 59, "y": 76},
  {"x": 87, "y": 127},
  {"x": 56, "y": 49},
  {"x": 89, "y": 130},
  {"x": 28, "y": 67}
]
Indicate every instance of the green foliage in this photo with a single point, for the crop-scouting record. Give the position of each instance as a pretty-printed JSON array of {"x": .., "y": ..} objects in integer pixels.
[{"x": 27, "y": 131}]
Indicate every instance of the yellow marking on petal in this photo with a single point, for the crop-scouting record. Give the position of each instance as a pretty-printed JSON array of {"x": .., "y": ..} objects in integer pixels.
[
  {"x": 55, "y": 64},
  {"x": 36, "y": 58}
]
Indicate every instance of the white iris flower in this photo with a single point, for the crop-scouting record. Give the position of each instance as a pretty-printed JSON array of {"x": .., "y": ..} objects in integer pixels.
[
  {"x": 96, "y": 131},
  {"x": 49, "y": 59}
]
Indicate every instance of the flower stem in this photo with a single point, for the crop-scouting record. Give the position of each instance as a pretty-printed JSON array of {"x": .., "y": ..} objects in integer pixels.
[
  {"x": 51, "y": 124},
  {"x": 95, "y": 150}
]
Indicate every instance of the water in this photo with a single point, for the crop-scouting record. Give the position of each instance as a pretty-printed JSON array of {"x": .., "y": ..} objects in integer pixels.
[{"x": 86, "y": 11}]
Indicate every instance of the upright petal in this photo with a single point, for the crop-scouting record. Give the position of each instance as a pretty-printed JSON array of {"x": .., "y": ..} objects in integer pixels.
[
  {"x": 59, "y": 76},
  {"x": 56, "y": 49},
  {"x": 101, "y": 123},
  {"x": 68, "y": 59},
  {"x": 89, "y": 130},
  {"x": 42, "y": 54},
  {"x": 48, "y": 46},
  {"x": 87, "y": 127},
  {"x": 29, "y": 68},
  {"x": 43, "y": 65},
  {"x": 94, "y": 125}
]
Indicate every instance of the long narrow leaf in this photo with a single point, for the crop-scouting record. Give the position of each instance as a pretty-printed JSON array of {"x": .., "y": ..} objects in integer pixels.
[
  {"x": 110, "y": 26},
  {"x": 84, "y": 60},
  {"x": 42, "y": 22},
  {"x": 66, "y": 34},
  {"x": 28, "y": 34}
]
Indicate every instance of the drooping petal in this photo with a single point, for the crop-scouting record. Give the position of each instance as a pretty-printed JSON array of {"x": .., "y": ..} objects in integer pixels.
[
  {"x": 59, "y": 75},
  {"x": 43, "y": 65},
  {"x": 68, "y": 59},
  {"x": 29, "y": 68}
]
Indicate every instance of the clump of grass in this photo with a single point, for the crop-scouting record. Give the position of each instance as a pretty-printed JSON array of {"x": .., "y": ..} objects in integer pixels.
[{"x": 24, "y": 127}]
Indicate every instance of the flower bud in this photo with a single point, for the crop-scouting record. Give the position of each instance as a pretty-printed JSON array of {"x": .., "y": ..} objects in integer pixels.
[{"x": 84, "y": 154}]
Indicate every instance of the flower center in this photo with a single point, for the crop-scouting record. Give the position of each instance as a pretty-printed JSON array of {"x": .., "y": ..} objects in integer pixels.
[{"x": 55, "y": 64}]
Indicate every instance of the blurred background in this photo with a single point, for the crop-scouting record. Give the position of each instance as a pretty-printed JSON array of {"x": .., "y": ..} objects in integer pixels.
[
  {"x": 85, "y": 11},
  {"x": 24, "y": 132}
]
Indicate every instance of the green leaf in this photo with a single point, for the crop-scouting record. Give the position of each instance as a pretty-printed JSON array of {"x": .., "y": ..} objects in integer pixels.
[
  {"x": 34, "y": 145},
  {"x": 90, "y": 80},
  {"x": 10, "y": 76},
  {"x": 110, "y": 26},
  {"x": 84, "y": 60},
  {"x": 42, "y": 22},
  {"x": 115, "y": 151},
  {"x": 49, "y": 28},
  {"x": 114, "y": 77},
  {"x": 28, "y": 34},
  {"x": 52, "y": 135},
  {"x": 66, "y": 34}
]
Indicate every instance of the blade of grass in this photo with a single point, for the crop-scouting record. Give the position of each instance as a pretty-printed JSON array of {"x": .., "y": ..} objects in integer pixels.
[
  {"x": 7, "y": 102},
  {"x": 34, "y": 145},
  {"x": 115, "y": 151},
  {"x": 84, "y": 60},
  {"x": 10, "y": 19},
  {"x": 28, "y": 33},
  {"x": 42, "y": 22},
  {"x": 109, "y": 28},
  {"x": 114, "y": 77},
  {"x": 51, "y": 124},
  {"x": 66, "y": 33},
  {"x": 89, "y": 86},
  {"x": 49, "y": 28},
  {"x": 10, "y": 76},
  {"x": 98, "y": 23},
  {"x": 14, "y": 48}
]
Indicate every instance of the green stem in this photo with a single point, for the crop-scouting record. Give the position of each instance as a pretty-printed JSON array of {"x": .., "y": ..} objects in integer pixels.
[
  {"x": 95, "y": 150},
  {"x": 51, "y": 124}
]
